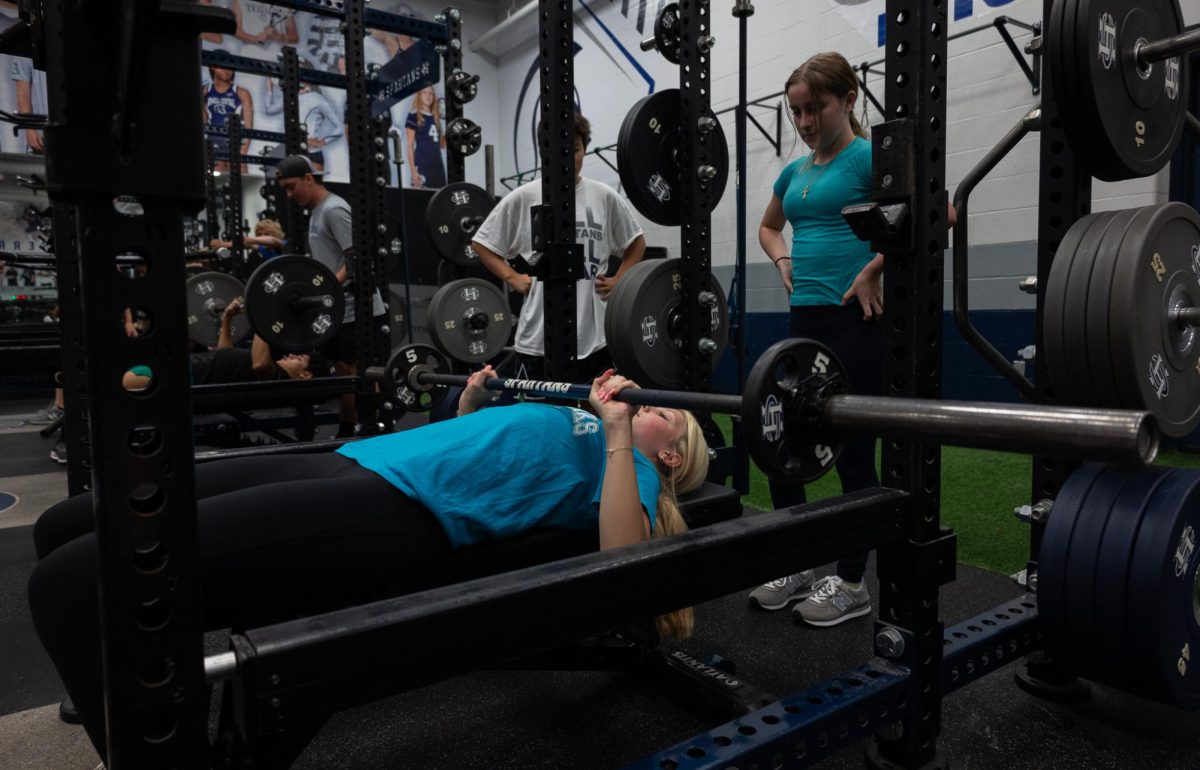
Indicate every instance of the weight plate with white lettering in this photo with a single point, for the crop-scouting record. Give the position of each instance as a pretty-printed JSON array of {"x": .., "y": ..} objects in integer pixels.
[
  {"x": 1156, "y": 360},
  {"x": 644, "y": 323},
  {"x": 294, "y": 303},
  {"x": 401, "y": 385},
  {"x": 469, "y": 320},
  {"x": 453, "y": 215},
  {"x": 208, "y": 294},
  {"x": 778, "y": 438},
  {"x": 1164, "y": 591},
  {"x": 648, "y": 148},
  {"x": 1124, "y": 119}
]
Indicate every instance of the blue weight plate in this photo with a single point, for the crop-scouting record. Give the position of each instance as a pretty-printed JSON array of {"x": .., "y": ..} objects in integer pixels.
[
  {"x": 1079, "y": 367},
  {"x": 1113, "y": 563},
  {"x": 1054, "y": 340},
  {"x": 1097, "y": 322},
  {"x": 1082, "y": 566},
  {"x": 1052, "y": 557},
  {"x": 1164, "y": 594}
]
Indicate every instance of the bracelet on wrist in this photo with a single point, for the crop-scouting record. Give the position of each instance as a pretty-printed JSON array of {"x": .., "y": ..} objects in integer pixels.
[
  {"x": 777, "y": 260},
  {"x": 618, "y": 449}
]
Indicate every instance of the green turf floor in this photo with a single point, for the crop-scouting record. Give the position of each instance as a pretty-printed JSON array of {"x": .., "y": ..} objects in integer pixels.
[{"x": 980, "y": 489}]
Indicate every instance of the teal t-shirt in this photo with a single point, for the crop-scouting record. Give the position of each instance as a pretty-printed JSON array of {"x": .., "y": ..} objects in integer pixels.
[
  {"x": 826, "y": 254},
  {"x": 499, "y": 472}
]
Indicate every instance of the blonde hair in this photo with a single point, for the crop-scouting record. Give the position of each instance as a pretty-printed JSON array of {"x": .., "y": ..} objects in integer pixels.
[
  {"x": 269, "y": 227},
  {"x": 435, "y": 108},
  {"x": 828, "y": 74},
  {"x": 688, "y": 475}
]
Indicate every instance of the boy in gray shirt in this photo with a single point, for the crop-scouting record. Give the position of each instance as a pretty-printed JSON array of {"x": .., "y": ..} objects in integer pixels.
[{"x": 330, "y": 239}]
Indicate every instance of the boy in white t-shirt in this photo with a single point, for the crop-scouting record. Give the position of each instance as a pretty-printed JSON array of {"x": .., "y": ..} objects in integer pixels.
[{"x": 604, "y": 224}]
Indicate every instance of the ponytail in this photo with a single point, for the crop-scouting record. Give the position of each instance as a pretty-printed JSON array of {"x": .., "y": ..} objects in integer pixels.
[{"x": 689, "y": 475}]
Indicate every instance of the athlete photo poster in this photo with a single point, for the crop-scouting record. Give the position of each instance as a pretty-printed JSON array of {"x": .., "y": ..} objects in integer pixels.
[{"x": 262, "y": 32}]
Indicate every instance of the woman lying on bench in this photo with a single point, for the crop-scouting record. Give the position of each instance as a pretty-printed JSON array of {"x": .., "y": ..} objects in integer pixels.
[{"x": 287, "y": 535}]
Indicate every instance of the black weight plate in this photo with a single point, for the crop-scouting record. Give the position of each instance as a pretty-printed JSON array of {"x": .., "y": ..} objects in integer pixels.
[
  {"x": 1080, "y": 366},
  {"x": 207, "y": 296},
  {"x": 647, "y": 325},
  {"x": 1110, "y": 587},
  {"x": 1133, "y": 116},
  {"x": 272, "y": 303},
  {"x": 666, "y": 32},
  {"x": 1097, "y": 320},
  {"x": 463, "y": 136},
  {"x": 469, "y": 320},
  {"x": 1082, "y": 556},
  {"x": 779, "y": 450},
  {"x": 646, "y": 160},
  {"x": 400, "y": 386},
  {"x": 397, "y": 313},
  {"x": 453, "y": 215},
  {"x": 1063, "y": 41},
  {"x": 1164, "y": 591},
  {"x": 1054, "y": 340},
  {"x": 1156, "y": 363},
  {"x": 1052, "y": 557}
]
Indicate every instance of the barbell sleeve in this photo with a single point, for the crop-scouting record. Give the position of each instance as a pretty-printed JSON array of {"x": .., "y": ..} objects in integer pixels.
[
  {"x": 322, "y": 300},
  {"x": 1185, "y": 316},
  {"x": 1107, "y": 435},
  {"x": 1185, "y": 42},
  {"x": 649, "y": 44}
]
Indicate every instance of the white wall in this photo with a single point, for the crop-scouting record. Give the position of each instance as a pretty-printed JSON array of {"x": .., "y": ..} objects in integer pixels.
[{"x": 987, "y": 93}]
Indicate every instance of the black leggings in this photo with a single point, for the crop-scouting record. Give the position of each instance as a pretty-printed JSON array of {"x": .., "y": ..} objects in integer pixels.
[
  {"x": 858, "y": 344},
  {"x": 278, "y": 537}
]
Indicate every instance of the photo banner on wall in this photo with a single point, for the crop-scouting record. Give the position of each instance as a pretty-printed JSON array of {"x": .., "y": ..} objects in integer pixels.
[{"x": 409, "y": 71}]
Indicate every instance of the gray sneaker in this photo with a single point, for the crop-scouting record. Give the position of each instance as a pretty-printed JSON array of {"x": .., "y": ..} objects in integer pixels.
[
  {"x": 778, "y": 594},
  {"x": 47, "y": 415},
  {"x": 833, "y": 601}
]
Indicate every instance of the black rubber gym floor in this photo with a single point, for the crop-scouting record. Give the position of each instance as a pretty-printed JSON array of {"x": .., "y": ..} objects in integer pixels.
[{"x": 528, "y": 719}]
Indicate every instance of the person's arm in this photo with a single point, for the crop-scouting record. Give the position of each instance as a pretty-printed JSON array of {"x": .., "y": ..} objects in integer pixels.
[
  {"x": 497, "y": 266},
  {"x": 633, "y": 254},
  {"x": 331, "y": 117},
  {"x": 622, "y": 518},
  {"x": 341, "y": 226},
  {"x": 33, "y": 137},
  {"x": 241, "y": 33},
  {"x": 290, "y": 35},
  {"x": 474, "y": 394},
  {"x": 204, "y": 104},
  {"x": 225, "y": 338},
  {"x": 270, "y": 241},
  {"x": 260, "y": 359},
  {"x": 867, "y": 288},
  {"x": 130, "y": 326},
  {"x": 274, "y": 104},
  {"x": 770, "y": 237}
]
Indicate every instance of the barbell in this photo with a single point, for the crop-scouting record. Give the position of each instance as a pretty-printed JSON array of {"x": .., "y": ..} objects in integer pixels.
[
  {"x": 294, "y": 303},
  {"x": 795, "y": 412},
  {"x": 1120, "y": 78}
]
